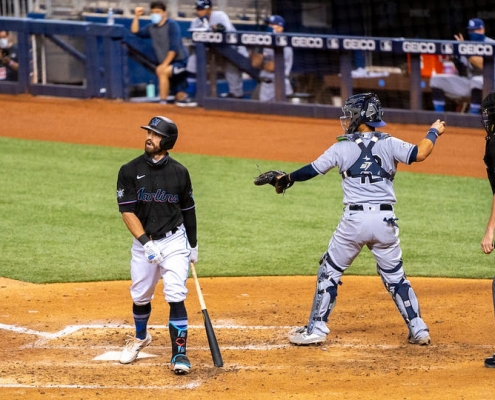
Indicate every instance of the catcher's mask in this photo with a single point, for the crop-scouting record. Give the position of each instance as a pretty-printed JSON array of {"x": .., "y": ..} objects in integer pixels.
[
  {"x": 164, "y": 127},
  {"x": 488, "y": 114},
  {"x": 362, "y": 108}
]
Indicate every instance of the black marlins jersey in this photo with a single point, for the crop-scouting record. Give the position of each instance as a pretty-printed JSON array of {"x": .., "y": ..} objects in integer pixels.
[{"x": 157, "y": 194}]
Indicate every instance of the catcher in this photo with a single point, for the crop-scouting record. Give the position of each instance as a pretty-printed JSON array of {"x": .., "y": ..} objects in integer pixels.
[{"x": 367, "y": 160}]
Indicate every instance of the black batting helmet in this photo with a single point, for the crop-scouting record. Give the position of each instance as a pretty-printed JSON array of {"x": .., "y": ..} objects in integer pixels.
[
  {"x": 364, "y": 108},
  {"x": 164, "y": 127},
  {"x": 488, "y": 114}
]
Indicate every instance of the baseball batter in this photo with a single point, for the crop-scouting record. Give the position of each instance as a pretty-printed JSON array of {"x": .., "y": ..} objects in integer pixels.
[
  {"x": 155, "y": 197},
  {"x": 488, "y": 121},
  {"x": 367, "y": 161}
]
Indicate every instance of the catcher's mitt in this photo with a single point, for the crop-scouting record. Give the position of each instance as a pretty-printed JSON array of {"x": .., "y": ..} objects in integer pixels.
[{"x": 278, "y": 179}]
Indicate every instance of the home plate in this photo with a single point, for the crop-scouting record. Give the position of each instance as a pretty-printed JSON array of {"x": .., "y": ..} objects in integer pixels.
[{"x": 115, "y": 356}]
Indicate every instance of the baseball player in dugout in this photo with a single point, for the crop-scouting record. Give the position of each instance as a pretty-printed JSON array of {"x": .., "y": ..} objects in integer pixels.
[
  {"x": 488, "y": 121},
  {"x": 266, "y": 62},
  {"x": 155, "y": 198},
  {"x": 367, "y": 160},
  {"x": 212, "y": 20}
]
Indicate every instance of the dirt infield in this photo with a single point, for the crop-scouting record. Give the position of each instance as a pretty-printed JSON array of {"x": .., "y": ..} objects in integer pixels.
[{"x": 62, "y": 340}]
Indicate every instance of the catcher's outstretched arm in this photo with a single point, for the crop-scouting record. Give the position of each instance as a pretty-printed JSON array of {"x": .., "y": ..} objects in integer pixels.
[{"x": 303, "y": 174}]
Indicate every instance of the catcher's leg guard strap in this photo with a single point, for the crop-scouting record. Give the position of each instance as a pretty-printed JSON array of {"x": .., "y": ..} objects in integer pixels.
[
  {"x": 402, "y": 292},
  {"x": 326, "y": 292}
]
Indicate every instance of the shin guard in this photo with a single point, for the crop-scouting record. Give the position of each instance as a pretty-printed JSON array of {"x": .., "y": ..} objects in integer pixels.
[{"x": 178, "y": 337}]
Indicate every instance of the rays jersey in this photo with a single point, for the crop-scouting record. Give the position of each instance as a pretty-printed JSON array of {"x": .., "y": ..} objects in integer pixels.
[{"x": 371, "y": 186}]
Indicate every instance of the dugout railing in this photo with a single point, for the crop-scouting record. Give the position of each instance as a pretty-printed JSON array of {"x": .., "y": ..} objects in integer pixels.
[{"x": 104, "y": 61}]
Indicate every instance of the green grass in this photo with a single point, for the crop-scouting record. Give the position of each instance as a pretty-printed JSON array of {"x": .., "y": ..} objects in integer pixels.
[{"x": 59, "y": 219}]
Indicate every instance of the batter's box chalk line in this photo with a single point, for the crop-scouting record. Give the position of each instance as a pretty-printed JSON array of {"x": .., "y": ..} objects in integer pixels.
[{"x": 45, "y": 337}]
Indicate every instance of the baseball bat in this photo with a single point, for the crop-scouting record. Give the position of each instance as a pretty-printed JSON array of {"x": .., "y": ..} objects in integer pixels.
[{"x": 210, "y": 333}]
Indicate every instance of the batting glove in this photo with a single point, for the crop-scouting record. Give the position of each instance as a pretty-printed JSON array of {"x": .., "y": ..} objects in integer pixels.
[
  {"x": 194, "y": 255},
  {"x": 153, "y": 253}
]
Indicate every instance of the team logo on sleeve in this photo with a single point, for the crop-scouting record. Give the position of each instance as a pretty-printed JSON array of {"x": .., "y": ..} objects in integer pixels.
[{"x": 120, "y": 193}]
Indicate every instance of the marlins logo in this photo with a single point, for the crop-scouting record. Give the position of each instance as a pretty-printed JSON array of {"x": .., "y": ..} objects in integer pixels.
[{"x": 155, "y": 121}]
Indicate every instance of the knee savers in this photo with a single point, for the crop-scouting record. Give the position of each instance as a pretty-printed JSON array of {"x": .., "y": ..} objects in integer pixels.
[{"x": 326, "y": 292}]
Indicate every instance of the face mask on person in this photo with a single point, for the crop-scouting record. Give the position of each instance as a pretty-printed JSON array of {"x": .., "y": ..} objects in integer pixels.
[
  {"x": 156, "y": 18},
  {"x": 476, "y": 37},
  {"x": 4, "y": 43}
]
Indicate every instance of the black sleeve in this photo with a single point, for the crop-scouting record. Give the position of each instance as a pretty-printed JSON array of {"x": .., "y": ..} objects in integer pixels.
[
  {"x": 190, "y": 225},
  {"x": 489, "y": 160},
  {"x": 188, "y": 208},
  {"x": 126, "y": 192}
]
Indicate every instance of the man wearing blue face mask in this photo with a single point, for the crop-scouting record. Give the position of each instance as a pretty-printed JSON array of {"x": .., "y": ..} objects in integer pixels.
[
  {"x": 171, "y": 54},
  {"x": 266, "y": 62},
  {"x": 469, "y": 81}
]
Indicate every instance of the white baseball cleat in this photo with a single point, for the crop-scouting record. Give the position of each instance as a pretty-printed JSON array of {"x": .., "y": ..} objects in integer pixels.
[
  {"x": 301, "y": 337},
  {"x": 133, "y": 346},
  {"x": 422, "y": 338}
]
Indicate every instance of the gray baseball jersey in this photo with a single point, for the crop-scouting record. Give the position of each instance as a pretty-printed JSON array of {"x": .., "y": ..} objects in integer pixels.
[
  {"x": 216, "y": 17},
  {"x": 267, "y": 87},
  {"x": 388, "y": 152}
]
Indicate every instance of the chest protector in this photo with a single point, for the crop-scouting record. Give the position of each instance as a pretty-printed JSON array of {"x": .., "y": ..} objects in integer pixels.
[{"x": 367, "y": 166}]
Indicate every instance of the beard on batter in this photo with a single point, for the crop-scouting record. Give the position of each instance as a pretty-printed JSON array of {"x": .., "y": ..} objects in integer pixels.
[{"x": 152, "y": 149}]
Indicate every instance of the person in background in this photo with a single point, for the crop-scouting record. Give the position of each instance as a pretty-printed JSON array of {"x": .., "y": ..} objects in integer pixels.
[
  {"x": 468, "y": 83},
  {"x": 170, "y": 52},
  {"x": 9, "y": 65},
  {"x": 218, "y": 21},
  {"x": 266, "y": 62}
]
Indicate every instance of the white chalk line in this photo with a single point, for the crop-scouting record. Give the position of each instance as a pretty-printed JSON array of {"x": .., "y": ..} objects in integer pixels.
[
  {"x": 191, "y": 385},
  {"x": 44, "y": 337}
]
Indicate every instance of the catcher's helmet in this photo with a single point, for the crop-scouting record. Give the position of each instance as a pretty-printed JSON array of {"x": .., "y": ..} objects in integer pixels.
[
  {"x": 364, "y": 108},
  {"x": 488, "y": 114},
  {"x": 166, "y": 128}
]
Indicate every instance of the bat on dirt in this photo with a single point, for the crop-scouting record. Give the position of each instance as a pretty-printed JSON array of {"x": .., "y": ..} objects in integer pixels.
[{"x": 210, "y": 333}]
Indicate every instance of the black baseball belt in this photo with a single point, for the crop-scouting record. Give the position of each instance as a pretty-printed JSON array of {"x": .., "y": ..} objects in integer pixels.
[
  {"x": 360, "y": 207},
  {"x": 159, "y": 236}
]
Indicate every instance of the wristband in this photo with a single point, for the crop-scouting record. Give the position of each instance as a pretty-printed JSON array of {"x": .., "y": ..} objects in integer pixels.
[
  {"x": 11, "y": 63},
  {"x": 143, "y": 239},
  {"x": 432, "y": 135}
]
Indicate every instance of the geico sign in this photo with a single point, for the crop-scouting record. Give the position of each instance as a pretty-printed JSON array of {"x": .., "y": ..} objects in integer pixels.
[
  {"x": 249, "y": 38},
  {"x": 419, "y": 47},
  {"x": 359, "y": 44},
  {"x": 475, "y": 49},
  {"x": 315, "y": 43},
  {"x": 208, "y": 37}
]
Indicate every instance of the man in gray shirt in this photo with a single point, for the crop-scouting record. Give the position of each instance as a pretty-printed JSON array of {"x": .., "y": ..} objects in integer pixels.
[{"x": 171, "y": 54}]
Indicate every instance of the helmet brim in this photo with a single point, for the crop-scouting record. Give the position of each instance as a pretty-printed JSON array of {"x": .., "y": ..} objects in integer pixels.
[
  {"x": 376, "y": 124},
  {"x": 150, "y": 128}
]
